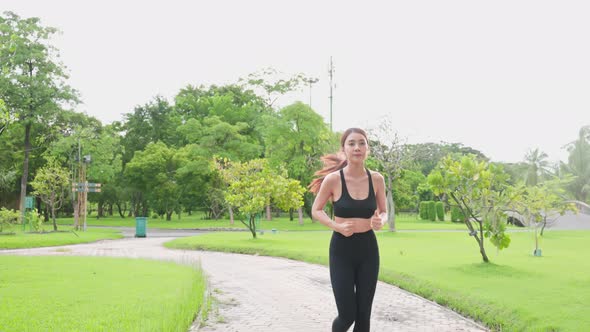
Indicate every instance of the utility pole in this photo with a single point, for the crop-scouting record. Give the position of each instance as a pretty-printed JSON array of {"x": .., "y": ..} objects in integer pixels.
[
  {"x": 331, "y": 72},
  {"x": 77, "y": 194}
]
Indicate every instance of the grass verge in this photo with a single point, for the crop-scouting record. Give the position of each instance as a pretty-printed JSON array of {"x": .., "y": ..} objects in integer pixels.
[
  {"x": 46, "y": 239},
  {"x": 46, "y": 293}
]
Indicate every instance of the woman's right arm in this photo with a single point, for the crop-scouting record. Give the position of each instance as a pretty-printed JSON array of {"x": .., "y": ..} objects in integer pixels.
[{"x": 317, "y": 210}]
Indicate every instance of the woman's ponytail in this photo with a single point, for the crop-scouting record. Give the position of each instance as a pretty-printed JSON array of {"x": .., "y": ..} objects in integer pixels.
[{"x": 332, "y": 163}]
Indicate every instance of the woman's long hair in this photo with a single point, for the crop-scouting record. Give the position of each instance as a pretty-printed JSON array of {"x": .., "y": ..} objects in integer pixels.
[{"x": 334, "y": 161}]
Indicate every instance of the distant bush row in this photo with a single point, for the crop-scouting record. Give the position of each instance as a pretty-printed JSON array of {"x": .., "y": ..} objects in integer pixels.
[{"x": 431, "y": 210}]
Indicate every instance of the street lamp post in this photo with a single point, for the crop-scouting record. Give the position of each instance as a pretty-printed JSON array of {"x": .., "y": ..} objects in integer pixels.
[{"x": 310, "y": 81}]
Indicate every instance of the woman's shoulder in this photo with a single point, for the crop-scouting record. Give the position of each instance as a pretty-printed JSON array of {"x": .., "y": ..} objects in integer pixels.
[
  {"x": 334, "y": 176},
  {"x": 331, "y": 181},
  {"x": 376, "y": 175}
]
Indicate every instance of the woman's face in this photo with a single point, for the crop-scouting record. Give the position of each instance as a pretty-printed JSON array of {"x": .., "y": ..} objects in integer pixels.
[{"x": 356, "y": 147}]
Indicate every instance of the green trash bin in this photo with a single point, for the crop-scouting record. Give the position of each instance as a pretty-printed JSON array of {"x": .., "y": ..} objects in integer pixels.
[{"x": 140, "y": 226}]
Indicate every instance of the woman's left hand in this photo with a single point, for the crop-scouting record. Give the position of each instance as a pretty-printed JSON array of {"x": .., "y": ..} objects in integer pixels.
[{"x": 376, "y": 221}]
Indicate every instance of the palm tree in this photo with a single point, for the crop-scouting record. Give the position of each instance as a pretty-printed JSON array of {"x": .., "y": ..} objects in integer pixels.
[
  {"x": 579, "y": 165},
  {"x": 538, "y": 166}
]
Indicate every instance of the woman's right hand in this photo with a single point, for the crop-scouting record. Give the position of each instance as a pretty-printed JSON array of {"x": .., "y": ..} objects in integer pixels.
[{"x": 345, "y": 228}]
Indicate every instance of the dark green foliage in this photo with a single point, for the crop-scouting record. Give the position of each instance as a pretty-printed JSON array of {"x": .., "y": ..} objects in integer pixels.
[
  {"x": 440, "y": 211},
  {"x": 431, "y": 210},
  {"x": 423, "y": 210}
]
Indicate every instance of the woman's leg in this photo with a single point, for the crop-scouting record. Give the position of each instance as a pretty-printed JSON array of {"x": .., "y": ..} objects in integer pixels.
[
  {"x": 342, "y": 276},
  {"x": 366, "y": 283}
]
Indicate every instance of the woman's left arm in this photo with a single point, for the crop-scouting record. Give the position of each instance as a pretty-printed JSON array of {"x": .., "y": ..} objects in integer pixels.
[{"x": 380, "y": 195}]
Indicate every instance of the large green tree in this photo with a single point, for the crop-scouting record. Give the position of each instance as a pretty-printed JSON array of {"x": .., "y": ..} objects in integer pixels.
[
  {"x": 297, "y": 137},
  {"x": 153, "y": 173},
  {"x": 32, "y": 80},
  {"x": 154, "y": 121}
]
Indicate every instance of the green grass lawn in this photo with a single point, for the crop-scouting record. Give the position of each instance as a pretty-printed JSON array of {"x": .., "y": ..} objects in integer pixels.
[
  {"x": 47, "y": 293},
  {"x": 196, "y": 221},
  {"x": 516, "y": 292},
  {"x": 30, "y": 240}
]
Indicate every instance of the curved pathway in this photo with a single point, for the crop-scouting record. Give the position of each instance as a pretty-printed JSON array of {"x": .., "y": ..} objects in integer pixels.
[{"x": 257, "y": 293}]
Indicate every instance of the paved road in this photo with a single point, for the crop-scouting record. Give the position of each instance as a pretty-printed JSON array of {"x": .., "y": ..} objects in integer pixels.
[
  {"x": 571, "y": 221},
  {"x": 258, "y": 293}
]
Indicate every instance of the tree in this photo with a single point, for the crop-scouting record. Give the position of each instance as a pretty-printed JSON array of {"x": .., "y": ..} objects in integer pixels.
[
  {"x": 477, "y": 188},
  {"x": 5, "y": 118},
  {"x": 153, "y": 173},
  {"x": 539, "y": 205},
  {"x": 272, "y": 84},
  {"x": 6, "y": 179},
  {"x": 254, "y": 184},
  {"x": 32, "y": 81},
  {"x": 51, "y": 184},
  {"x": 389, "y": 151},
  {"x": 425, "y": 156},
  {"x": 155, "y": 121},
  {"x": 297, "y": 137},
  {"x": 537, "y": 166},
  {"x": 579, "y": 165},
  {"x": 406, "y": 192}
]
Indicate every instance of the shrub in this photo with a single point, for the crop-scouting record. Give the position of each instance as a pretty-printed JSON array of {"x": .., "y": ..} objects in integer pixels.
[
  {"x": 440, "y": 211},
  {"x": 35, "y": 221},
  {"x": 432, "y": 210},
  {"x": 456, "y": 214},
  {"x": 8, "y": 218},
  {"x": 423, "y": 210}
]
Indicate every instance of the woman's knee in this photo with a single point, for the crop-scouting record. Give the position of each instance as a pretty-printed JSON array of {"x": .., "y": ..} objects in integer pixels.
[{"x": 343, "y": 323}]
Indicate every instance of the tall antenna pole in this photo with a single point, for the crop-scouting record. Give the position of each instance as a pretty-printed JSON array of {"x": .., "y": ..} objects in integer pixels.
[{"x": 331, "y": 72}]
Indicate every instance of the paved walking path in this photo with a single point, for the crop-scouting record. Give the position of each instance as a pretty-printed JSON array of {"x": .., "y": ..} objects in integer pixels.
[{"x": 260, "y": 294}]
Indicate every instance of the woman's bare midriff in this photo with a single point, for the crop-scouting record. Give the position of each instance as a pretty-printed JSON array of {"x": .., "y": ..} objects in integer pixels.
[{"x": 360, "y": 225}]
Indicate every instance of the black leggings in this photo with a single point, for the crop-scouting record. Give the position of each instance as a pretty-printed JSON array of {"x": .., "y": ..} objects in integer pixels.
[{"x": 354, "y": 267}]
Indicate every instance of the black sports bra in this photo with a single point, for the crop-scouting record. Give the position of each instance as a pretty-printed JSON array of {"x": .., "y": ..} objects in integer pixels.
[{"x": 348, "y": 207}]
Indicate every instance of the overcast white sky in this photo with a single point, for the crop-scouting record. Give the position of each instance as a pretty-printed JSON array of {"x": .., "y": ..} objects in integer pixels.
[{"x": 499, "y": 76}]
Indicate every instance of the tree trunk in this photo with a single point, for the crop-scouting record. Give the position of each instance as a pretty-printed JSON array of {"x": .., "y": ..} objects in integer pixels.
[
  {"x": 100, "y": 210},
  {"x": 253, "y": 225},
  {"x": 24, "y": 178},
  {"x": 268, "y": 213},
  {"x": 46, "y": 214},
  {"x": 169, "y": 215},
  {"x": 480, "y": 242},
  {"x": 231, "y": 215},
  {"x": 290, "y": 214},
  {"x": 482, "y": 249},
  {"x": 53, "y": 217},
  {"x": 76, "y": 215},
  {"x": 391, "y": 212},
  {"x": 300, "y": 213},
  {"x": 544, "y": 224},
  {"x": 119, "y": 209}
]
